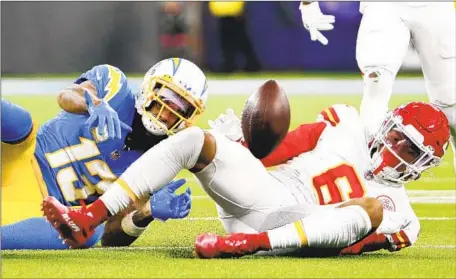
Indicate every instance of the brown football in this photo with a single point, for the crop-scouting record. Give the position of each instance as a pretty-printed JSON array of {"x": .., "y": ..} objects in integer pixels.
[{"x": 265, "y": 119}]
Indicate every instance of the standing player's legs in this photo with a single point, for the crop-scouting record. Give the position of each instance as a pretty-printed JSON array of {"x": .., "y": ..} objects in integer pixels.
[
  {"x": 382, "y": 43},
  {"x": 434, "y": 37}
]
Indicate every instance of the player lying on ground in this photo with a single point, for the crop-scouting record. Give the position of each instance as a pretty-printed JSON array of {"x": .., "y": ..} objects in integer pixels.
[
  {"x": 384, "y": 36},
  {"x": 76, "y": 156},
  {"x": 328, "y": 163},
  {"x": 332, "y": 161}
]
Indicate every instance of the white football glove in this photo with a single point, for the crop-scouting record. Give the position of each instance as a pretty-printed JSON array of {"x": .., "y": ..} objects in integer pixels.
[
  {"x": 393, "y": 222},
  {"x": 228, "y": 124},
  {"x": 314, "y": 21}
]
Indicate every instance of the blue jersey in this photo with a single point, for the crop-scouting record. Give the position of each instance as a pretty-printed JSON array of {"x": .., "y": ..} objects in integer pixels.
[{"x": 76, "y": 162}]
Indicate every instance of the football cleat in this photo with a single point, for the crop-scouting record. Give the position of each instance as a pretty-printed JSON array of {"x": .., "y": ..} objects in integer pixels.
[
  {"x": 208, "y": 245},
  {"x": 73, "y": 225}
]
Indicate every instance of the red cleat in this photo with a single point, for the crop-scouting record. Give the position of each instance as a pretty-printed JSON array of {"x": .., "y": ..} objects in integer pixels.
[
  {"x": 73, "y": 225},
  {"x": 210, "y": 245}
]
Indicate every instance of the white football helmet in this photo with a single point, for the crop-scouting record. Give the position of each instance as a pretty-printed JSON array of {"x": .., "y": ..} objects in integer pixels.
[{"x": 174, "y": 80}]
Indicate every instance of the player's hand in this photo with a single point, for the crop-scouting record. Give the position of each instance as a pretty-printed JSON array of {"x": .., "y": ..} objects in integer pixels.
[
  {"x": 314, "y": 21},
  {"x": 165, "y": 204},
  {"x": 228, "y": 124},
  {"x": 393, "y": 222},
  {"x": 107, "y": 118}
]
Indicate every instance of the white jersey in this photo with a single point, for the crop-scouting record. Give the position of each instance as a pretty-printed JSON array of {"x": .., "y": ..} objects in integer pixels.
[{"x": 335, "y": 171}]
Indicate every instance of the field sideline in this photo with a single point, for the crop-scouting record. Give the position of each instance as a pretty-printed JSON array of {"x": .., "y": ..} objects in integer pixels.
[{"x": 165, "y": 250}]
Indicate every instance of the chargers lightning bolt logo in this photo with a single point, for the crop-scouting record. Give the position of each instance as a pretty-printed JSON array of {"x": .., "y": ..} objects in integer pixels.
[{"x": 114, "y": 84}]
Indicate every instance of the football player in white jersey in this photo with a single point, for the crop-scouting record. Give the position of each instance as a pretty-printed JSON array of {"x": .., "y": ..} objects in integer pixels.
[
  {"x": 384, "y": 35},
  {"x": 323, "y": 197},
  {"x": 333, "y": 161}
]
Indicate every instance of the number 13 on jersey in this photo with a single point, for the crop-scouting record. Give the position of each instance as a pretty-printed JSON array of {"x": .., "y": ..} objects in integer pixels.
[
  {"x": 337, "y": 185},
  {"x": 86, "y": 157}
]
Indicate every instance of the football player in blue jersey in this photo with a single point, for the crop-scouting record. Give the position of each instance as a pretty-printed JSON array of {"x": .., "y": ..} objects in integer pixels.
[{"x": 103, "y": 128}]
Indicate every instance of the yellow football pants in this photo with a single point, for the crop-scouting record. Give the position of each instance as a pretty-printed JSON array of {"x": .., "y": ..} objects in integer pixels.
[{"x": 23, "y": 188}]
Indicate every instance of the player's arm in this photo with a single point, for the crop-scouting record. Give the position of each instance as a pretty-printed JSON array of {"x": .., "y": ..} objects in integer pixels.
[
  {"x": 72, "y": 98},
  {"x": 305, "y": 137},
  {"x": 102, "y": 82},
  {"x": 101, "y": 92},
  {"x": 125, "y": 227},
  {"x": 302, "y": 139},
  {"x": 392, "y": 242}
]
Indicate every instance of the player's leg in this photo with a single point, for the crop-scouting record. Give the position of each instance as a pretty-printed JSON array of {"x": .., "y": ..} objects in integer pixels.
[
  {"x": 16, "y": 123},
  {"x": 190, "y": 149},
  {"x": 242, "y": 188},
  {"x": 434, "y": 38},
  {"x": 153, "y": 170},
  {"x": 36, "y": 233},
  {"x": 325, "y": 228},
  {"x": 22, "y": 186},
  {"x": 382, "y": 43}
]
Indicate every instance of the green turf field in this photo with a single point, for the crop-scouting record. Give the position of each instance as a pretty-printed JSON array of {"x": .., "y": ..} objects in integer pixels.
[{"x": 165, "y": 250}]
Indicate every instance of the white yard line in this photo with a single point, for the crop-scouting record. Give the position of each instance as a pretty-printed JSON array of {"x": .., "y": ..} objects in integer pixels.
[
  {"x": 438, "y": 180},
  {"x": 243, "y": 86},
  {"x": 415, "y": 196},
  {"x": 175, "y": 248},
  {"x": 428, "y": 193},
  {"x": 216, "y": 219},
  {"x": 435, "y": 246}
]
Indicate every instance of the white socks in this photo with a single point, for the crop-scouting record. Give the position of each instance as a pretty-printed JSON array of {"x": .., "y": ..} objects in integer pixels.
[
  {"x": 326, "y": 228},
  {"x": 288, "y": 236}
]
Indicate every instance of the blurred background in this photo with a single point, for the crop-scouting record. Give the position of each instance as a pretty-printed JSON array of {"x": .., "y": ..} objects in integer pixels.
[
  {"x": 221, "y": 37},
  {"x": 45, "y": 46}
]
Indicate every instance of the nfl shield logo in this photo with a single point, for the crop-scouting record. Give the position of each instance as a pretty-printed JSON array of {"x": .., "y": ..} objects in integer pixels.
[{"x": 115, "y": 155}]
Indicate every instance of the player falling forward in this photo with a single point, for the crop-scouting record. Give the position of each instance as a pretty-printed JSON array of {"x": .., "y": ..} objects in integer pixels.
[
  {"x": 386, "y": 30},
  {"x": 76, "y": 156},
  {"x": 329, "y": 162}
]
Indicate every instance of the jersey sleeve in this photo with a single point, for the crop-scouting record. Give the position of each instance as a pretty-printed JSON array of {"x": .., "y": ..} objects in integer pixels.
[
  {"x": 306, "y": 136},
  {"x": 302, "y": 139},
  {"x": 338, "y": 115},
  {"x": 110, "y": 82}
]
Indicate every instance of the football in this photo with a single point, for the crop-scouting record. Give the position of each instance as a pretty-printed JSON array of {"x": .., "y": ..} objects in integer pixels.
[{"x": 265, "y": 119}]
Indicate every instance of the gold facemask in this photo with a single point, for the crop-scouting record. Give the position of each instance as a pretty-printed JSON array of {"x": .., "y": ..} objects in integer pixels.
[{"x": 153, "y": 90}]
